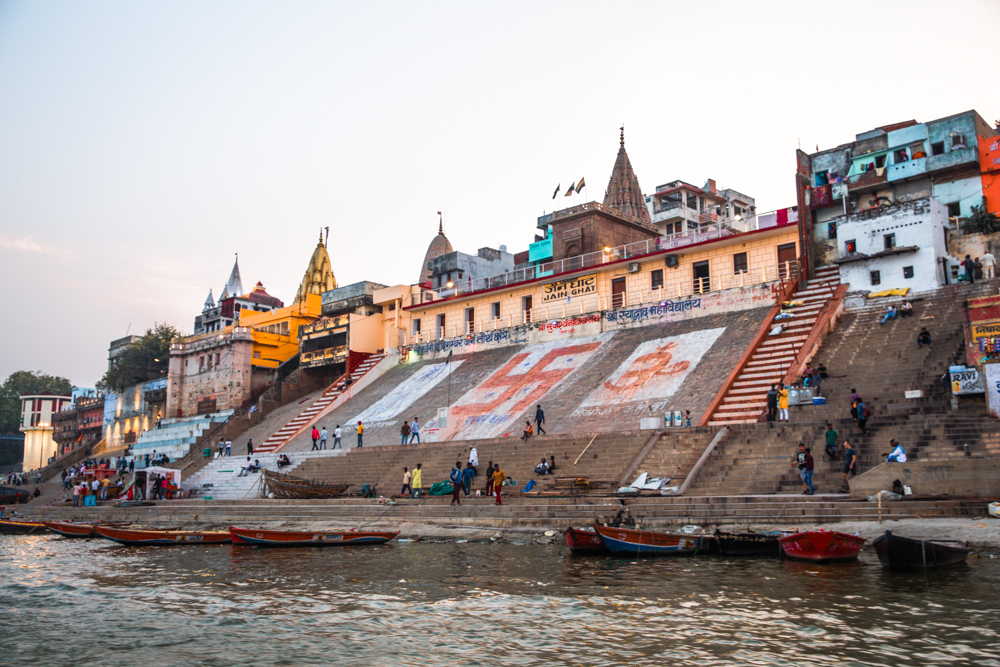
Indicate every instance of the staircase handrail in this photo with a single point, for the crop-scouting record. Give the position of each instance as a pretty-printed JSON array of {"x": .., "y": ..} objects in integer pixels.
[{"x": 238, "y": 412}]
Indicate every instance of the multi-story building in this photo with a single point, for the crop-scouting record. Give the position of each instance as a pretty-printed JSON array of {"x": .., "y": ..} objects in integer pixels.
[
  {"x": 37, "y": 413},
  {"x": 79, "y": 423},
  {"x": 118, "y": 347},
  {"x": 897, "y": 187},
  {"x": 677, "y": 207},
  {"x": 232, "y": 303}
]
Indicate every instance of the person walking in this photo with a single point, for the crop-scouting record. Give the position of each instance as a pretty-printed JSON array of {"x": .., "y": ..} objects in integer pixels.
[
  {"x": 989, "y": 265},
  {"x": 76, "y": 495},
  {"x": 456, "y": 483},
  {"x": 229, "y": 447},
  {"x": 782, "y": 404},
  {"x": 418, "y": 481},
  {"x": 415, "y": 430},
  {"x": 831, "y": 442},
  {"x": 250, "y": 447},
  {"x": 772, "y": 403},
  {"x": 322, "y": 438},
  {"x": 361, "y": 432},
  {"x": 850, "y": 464},
  {"x": 539, "y": 419},
  {"x": 854, "y": 404},
  {"x": 315, "y": 439},
  {"x": 467, "y": 476},
  {"x": 336, "y": 437},
  {"x": 222, "y": 448},
  {"x": 407, "y": 489},
  {"x": 800, "y": 460},
  {"x": 498, "y": 480},
  {"x": 970, "y": 269},
  {"x": 404, "y": 432},
  {"x": 807, "y": 473},
  {"x": 489, "y": 478},
  {"x": 863, "y": 414}
]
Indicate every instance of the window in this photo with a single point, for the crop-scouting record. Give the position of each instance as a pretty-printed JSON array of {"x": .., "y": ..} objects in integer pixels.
[
  {"x": 740, "y": 263},
  {"x": 954, "y": 210},
  {"x": 889, "y": 240},
  {"x": 907, "y": 272},
  {"x": 831, "y": 230},
  {"x": 656, "y": 279},
  {"x": 851, "y": 247},
  {"x": 526, "y": 307},
  {"x": 256, "y": 355},
  {"x": 495, "y": 310},
  {"x": 957, "y": 141},
  {"x": 692, "y": 201},
  {"x": 470, "y": 319},
  {"x": 673, "y": 228},
  {"x": 201, "y": 364},
  {"x": 880, "y": 161},
  {"x": 937, "y": 148},
  {"x": 902, "y": 156},
  {"x": 876, "y": 278},
  {"x": 416, "y": 326},
  {"x": 440, "y": 323},
  {"x": 822, "y": 177}
]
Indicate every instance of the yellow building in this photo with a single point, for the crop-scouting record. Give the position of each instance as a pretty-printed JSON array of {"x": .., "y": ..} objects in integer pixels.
[
  {"x": 276, "y": 334},
  {"x": 658, "y": 271}
]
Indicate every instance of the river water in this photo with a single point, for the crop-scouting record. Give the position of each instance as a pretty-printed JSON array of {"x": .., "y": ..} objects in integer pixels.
[{"x": 90, "y": 602}]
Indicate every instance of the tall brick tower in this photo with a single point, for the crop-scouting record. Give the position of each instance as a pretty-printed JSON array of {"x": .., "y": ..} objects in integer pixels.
[{"x": 624, "y": 193}]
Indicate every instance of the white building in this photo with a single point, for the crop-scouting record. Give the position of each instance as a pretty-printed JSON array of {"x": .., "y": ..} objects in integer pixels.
[
  {"x": 36, "y": 424},
  {"x": 894, "y": 246}
]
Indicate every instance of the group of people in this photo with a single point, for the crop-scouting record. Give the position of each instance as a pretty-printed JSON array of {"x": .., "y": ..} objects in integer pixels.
[
  {"x": 101, "y": 489},
  {"x": 860, "y": 412},
  {"x": 539, "y": 421},
  {"x": 546, "y": 467},
  {"x": 461, "y": 478},
  {"x": 409, "y": 431},
  {"x": 250, "y": 467},
  {"x": 979, "y": 268},
  {"x": 21, "y": 478},
  {"x": 892, "y": 311},
  {"x": 806, "y": 463}
]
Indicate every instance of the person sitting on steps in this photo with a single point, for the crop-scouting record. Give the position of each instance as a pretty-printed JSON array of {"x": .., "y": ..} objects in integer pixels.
[
  {"x": 923, "y": 338},
  {"x": 890, "y": 314},
  {"x": 542, "y": 468},
  {"x": 527, "y": 431}
]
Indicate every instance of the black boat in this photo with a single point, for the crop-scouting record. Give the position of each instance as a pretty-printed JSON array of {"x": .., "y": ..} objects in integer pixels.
[
  {"x": 10, "y": 495},
  {"x": 904, "y": 553},
  {"x": 748, "y": 544}
]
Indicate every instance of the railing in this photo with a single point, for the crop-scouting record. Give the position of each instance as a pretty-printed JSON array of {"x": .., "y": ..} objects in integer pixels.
[
  {"x": 327, "y": 353},
  {"x": 241, "y": 411},
  {"x": 777, "y": 272}
]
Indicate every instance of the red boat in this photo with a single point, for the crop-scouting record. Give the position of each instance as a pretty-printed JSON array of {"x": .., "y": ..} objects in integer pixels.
[
  {"x": 78, "y": 529},
  {"x": 312, "y": 538},
  {"x": 585, "y": 542},
  {"x": 139, "y": 538},
  {"x": 821, "y": 546}
]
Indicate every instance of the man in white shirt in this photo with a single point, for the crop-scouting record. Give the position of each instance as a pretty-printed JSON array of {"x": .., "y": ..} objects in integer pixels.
[
  {"x": 473, "y": 457},
  {"x": 898, "y": 454},
  {"x": 336, "y": 437},
  {"x": 989, "y": 265}
]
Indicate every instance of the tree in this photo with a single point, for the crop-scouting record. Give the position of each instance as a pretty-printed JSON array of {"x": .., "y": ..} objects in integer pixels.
[
  {"x": 983, "y": 220},
  {"x": 144, "y": 360},
  {"x": 26, "y": 382}
]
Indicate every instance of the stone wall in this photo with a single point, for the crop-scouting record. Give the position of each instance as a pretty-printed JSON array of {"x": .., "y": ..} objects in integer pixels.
[{"x": 978, "y": 478}]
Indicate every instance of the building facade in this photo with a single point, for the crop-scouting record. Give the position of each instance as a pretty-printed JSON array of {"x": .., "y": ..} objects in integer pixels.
[
  {"x": 37, "y": 414},
  {"x": 678, "y": 207}
]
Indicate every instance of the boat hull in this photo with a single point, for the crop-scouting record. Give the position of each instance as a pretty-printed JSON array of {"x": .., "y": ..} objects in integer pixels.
[
  {"x": 585, "y": 542},
  {"x": 286, "y": 486},
  {"x": 318, "y": 538},
  {"x": 903, "y": 553},
  {"x": 12, "y": 527},
  {"x": 10, "y": 495},
  {"x": 647, "y": 543},
  {"x": 748, "y": 544},
  {"x": 74, "y": 529},
  {"x": 162, "y": 538},
  {"x": 821, "y": 546}
]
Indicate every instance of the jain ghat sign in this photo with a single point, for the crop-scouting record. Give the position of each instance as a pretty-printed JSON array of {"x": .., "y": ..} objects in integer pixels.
[{"x": 565, "y": 289}]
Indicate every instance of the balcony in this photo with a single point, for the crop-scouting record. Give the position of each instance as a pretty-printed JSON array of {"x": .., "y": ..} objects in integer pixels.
[
  {"x": 907, "y": 169},
  {"x": 331, "y": 355}
]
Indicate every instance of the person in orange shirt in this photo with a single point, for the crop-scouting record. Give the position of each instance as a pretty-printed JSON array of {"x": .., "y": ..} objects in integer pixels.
[{"x": 498, "y": 480}]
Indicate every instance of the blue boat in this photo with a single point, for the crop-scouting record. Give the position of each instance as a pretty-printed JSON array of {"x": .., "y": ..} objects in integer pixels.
[{"x": 629, "y": 542}]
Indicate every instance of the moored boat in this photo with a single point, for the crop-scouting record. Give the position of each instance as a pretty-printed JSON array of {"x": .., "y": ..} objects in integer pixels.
[
  {"x": 78, "y": 528},
  {"x": 11, "y": 495},
  {"x": 310, "y": 538},
  {"x": 748, "y": 544},
  {"x": 585, "y": 542},
  {"x": 904, "y": 553},
  {"x": 15, "y": 527},
  {"x": 137, "y": 537},
  {"x": 644, "y": 542},
  {"x": 821, "y": 546},
  {"x": 286, "y": 486}
]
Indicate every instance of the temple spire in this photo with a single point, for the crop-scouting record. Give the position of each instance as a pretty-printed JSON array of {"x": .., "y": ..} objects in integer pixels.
[
  {"x": 623, "y": 193},
  {"x": 319, "y": 276},
  {"x": 234, "y": 286},
  {"x": 440, "y": 224}
]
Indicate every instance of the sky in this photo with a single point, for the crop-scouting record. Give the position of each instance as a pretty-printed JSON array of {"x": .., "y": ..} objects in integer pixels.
[{"x": 144, "y": 144}]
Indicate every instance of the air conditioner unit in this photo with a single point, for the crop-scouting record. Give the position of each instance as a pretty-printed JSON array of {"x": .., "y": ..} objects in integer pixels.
[
  {"x": 634, "y": 267},
  {"x": 672, "y": 261}
]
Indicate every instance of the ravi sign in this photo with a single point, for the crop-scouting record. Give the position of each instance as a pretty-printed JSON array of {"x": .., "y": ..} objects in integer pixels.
[{"x": 565, "y": 289}]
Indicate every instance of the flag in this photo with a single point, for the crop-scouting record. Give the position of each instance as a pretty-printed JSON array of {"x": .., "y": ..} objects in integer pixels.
[
  {"x": 569, "y": 190},
  {"x": 557, "y": 191},
  {"x": 449, "y": 356},
  {"x": 579, "y": 186}
]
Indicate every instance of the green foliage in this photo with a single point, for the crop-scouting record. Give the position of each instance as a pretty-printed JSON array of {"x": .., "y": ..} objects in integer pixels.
[
  {"x": 145, "y": 360},
  {"x": 21, "y": 383},
  {"x": 983, "y": 220}
]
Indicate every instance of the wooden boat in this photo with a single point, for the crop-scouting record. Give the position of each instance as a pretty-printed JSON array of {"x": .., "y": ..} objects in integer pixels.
[
  {"x": 643, "y": 542},
  {"x": 79, "y": 528},
  {"x": 138, "y": 538},
  {"x": 311, "y": 538},
  {"x": 14, "y": 527},
  {"x": 748, "y": 544},
  {"x": 286, "y": 486},
  {"x": 11, "y": 495},
  {"x": 904, "y": 553},
  {"x": 585, "y": 542},
  {"x": 821, "y": 546}
]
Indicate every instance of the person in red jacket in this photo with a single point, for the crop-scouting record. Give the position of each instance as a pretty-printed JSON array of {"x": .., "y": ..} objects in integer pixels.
[{"x": 315, "y": 437}]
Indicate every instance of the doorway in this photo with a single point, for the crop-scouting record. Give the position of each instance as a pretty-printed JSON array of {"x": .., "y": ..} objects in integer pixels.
[
  {"x": 526, "y": 302},
  {"x": 787, "y": 261},
  {"x": 618, "y": 292},
  {"x": 702, "y": 277}
]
